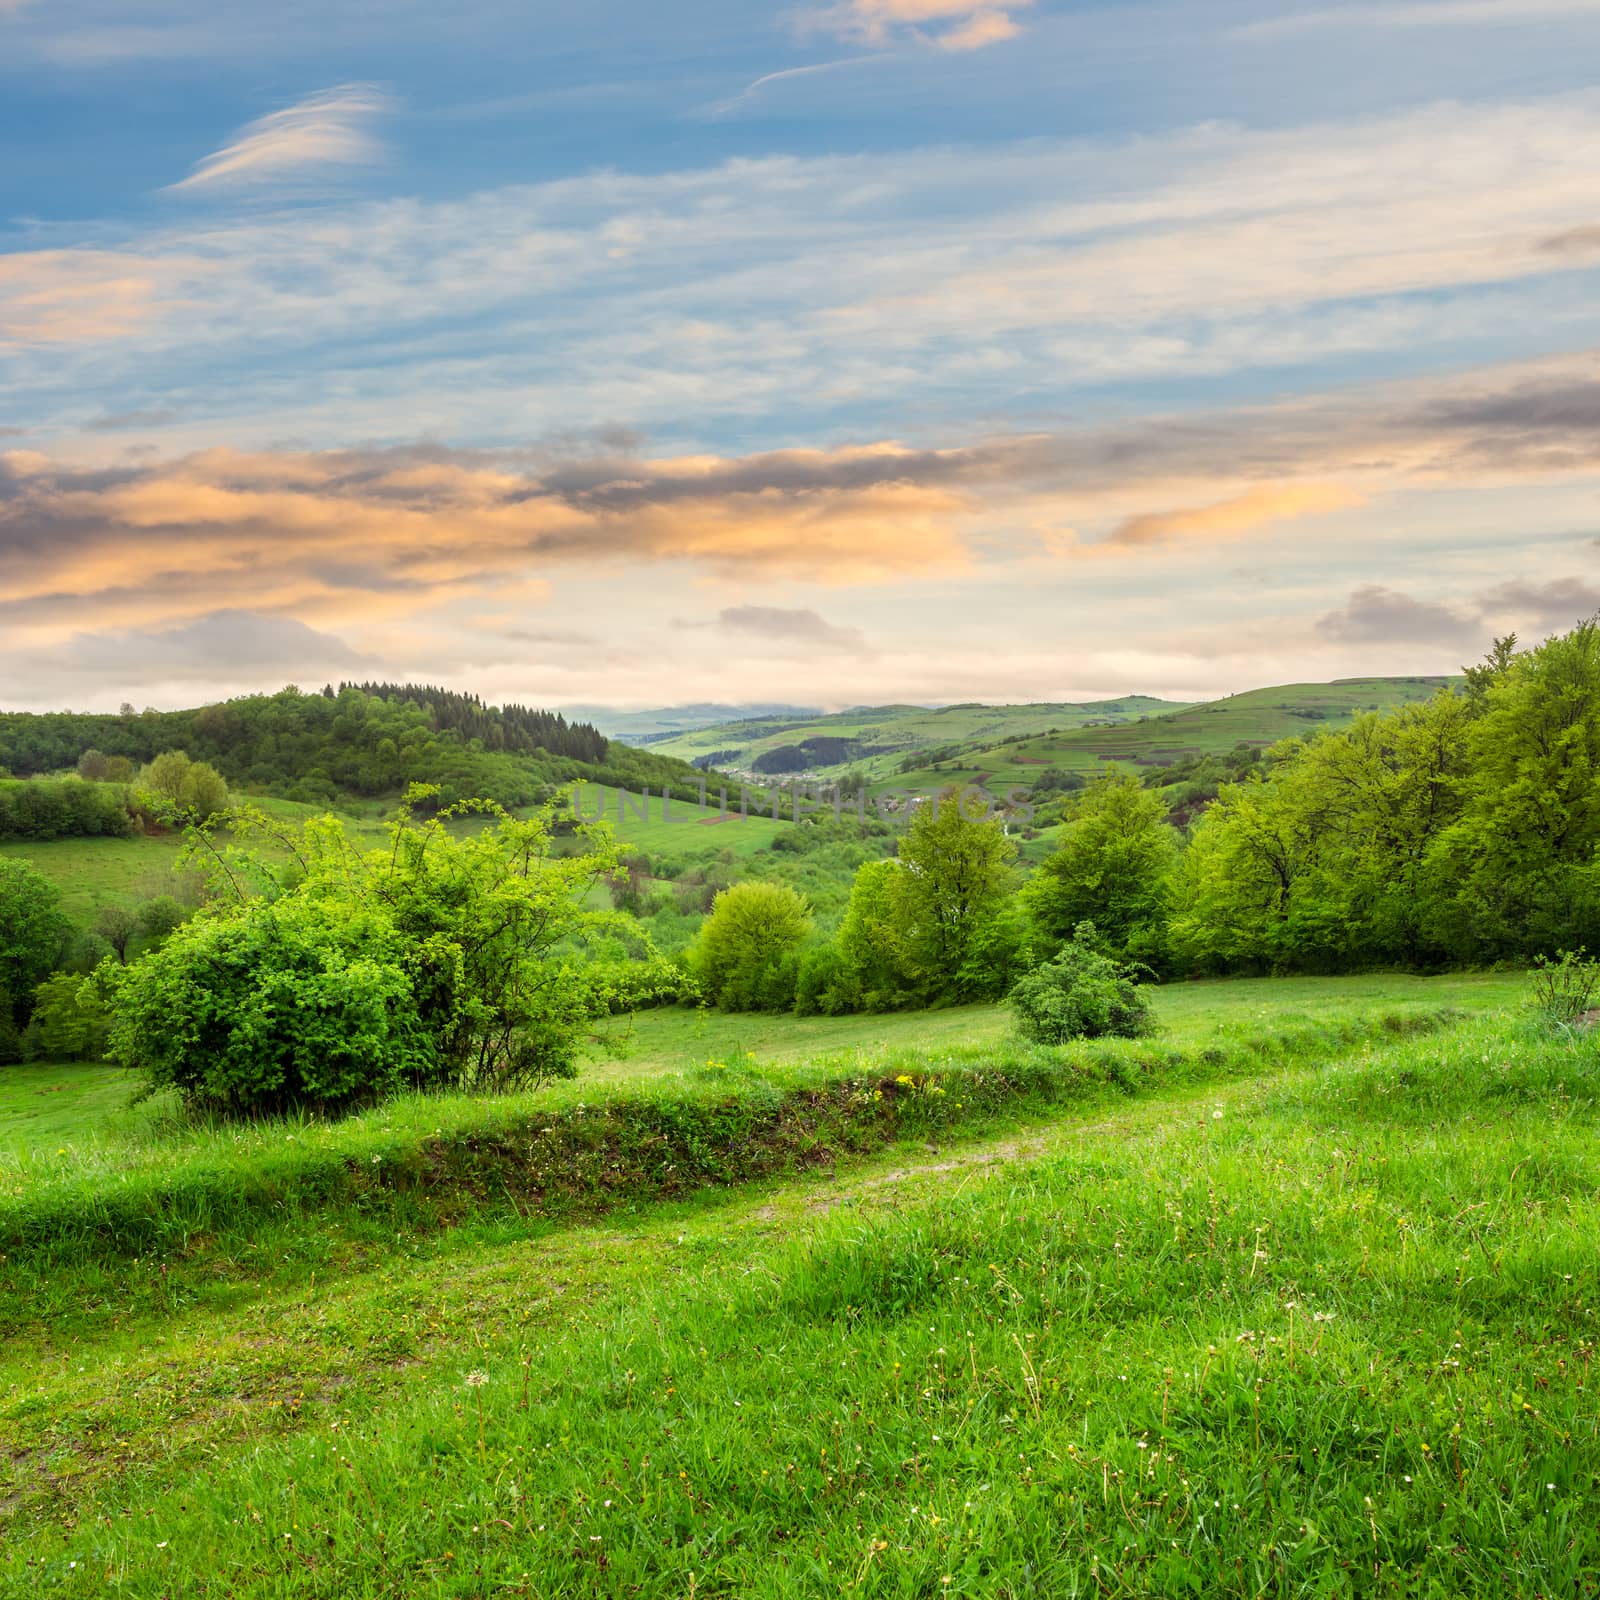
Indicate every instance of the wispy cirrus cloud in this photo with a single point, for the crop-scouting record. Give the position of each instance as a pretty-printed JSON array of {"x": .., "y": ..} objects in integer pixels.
[
  {"x": 330, "y": 130},
  {"x": 946, "y": 24},
  {"x": 1426, "y": 14}
]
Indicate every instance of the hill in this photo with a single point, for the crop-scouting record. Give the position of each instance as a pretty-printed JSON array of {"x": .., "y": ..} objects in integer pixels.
[
  {"x": 877, "y": 741},
  {"x": 357, "y": 742},
  {"x": 653, "y": 724},
  {"x": 1165, "y": 739}
]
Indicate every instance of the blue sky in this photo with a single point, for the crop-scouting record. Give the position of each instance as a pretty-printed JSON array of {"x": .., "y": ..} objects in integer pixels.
[{"x": 869, "y": 349}]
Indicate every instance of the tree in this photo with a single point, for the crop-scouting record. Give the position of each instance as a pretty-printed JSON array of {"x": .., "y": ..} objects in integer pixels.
[
  {"x": 33, "y": 935},
  {"x": 118, "y": 925},
  {"x": 746, "y": 956},
  {"x": 957, "y": 873},
  {"x": 93, "y": 767},
  {"x": 875, "y": 968},
  {"x": 193, "y": 789},
  {"x": 69, "y": 1020},
  {"x": 1112, "y": 868},
  {"x": 159, "y": 917},
  {"x": 1524, "y": 849}
]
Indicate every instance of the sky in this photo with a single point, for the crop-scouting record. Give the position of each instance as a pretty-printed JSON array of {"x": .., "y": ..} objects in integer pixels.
[{"x": 855, "y": 351}]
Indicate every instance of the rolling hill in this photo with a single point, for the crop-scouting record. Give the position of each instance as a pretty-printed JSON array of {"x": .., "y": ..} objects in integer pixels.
[{"x": 879, "y": 741}]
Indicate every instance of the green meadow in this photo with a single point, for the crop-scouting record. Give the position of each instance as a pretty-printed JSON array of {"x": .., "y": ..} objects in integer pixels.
[{"x": 1298, "y": 1299}]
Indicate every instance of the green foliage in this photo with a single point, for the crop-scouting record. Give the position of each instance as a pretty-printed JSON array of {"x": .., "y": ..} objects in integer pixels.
[
  {"x": 1112, "y": 868},
  {"x": 70, "y": 1020},
  {"x": 366, "y": 740},
  {"x": 874, "y": 972},
  {"x": 174, "y": 785},
  {"x": 1524, "y": 849},
  {"x": 957, "y": 875},
  {"x": 65, "y": 808},
  {"x": 298, "y": 1001},
  {"x": 328, "y": 975},
  {"x": 1082, "y": 994},
  {"x": 1563, "y": 987},
  {"x": 747, "y": 955},
  {"x": 34, "y": 936},
  {"x": 1330, "y": 858}
]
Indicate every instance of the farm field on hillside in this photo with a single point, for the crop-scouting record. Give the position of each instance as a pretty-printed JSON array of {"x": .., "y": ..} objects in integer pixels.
[
  {"x": 925, "y": 1377},
  {"x": 878, "y": 738}
]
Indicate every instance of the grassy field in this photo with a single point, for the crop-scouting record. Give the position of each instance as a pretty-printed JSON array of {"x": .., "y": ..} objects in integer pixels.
[
  {"x": 91, "y": 873},
  {"x": 44, "y": 1107},
  {"x": 1320, "y": 1327}
]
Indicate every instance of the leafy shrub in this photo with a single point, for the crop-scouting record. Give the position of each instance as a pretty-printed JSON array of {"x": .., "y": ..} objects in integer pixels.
[
  {"x": 822, "y": 986},
  {"x": 1563, "y": 988},
  {"x": 63, "y": 808},
  {"x": 1081, "y": 994},
  {"x": 174, "y": 783},
  {"x": 747, "y": 955},
  {"x": 296, "y": 1002},
  {"x": 69, "y": 1020},
  {"x": 439, "y": 961}
]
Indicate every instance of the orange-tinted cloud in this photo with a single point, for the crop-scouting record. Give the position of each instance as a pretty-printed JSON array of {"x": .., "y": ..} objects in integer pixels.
[
  {"x": 1241, "y": 514},
  {"x": 74, "y": 296},
  {"x": 344, "y": 533},
  {"x": 949, "y": 24}
]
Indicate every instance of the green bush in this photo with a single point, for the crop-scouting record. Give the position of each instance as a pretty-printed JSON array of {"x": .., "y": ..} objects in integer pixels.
[
  {"x": 439, "y": 961},
  {"x": 747, "y": 955},
  {"x": 1081, "y": 994},
  {"x": 1564, "y": 988},
  {"x": 69, "y": 1020},
  {"x": 298, "y": 1002}
]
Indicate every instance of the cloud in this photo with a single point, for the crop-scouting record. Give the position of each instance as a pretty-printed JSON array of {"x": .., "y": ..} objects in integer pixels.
[
  {"x": 1580, "y": 242},
  {"x": 212, "y": 655},
  {"x": 331, "y": 129},
  {"x": 144, "y": 417},
  {"x": 948, "y": 24},
  {"x": 722, "y": 108},
  {"x": 52, "y": 297},
  {"x": 1376, "y": 615},
  {"x": 1241, "y": 514},
  {"x": 780, "y": 625},
  {"x": 1553, "y": 606},
  {"x": 1428, "y": 14},
  {"x": 361, "y": 534}
]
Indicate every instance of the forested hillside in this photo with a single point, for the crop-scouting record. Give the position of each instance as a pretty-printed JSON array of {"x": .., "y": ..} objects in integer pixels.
[{"x": 359, "y": 740}]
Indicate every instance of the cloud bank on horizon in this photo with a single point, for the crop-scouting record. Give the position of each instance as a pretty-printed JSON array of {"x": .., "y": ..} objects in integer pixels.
[{"x": 967, "y": 349}]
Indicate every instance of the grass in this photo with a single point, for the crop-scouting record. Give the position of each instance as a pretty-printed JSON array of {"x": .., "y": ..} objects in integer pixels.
[
  {"x": 1324, "y": 1331},
  {"x": 94, "y": 1100}
]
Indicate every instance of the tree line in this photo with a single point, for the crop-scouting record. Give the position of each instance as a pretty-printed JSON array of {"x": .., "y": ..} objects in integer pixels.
[
  {"x": 1462, "y": 830},
  {"x": 356, "y": 741}
]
